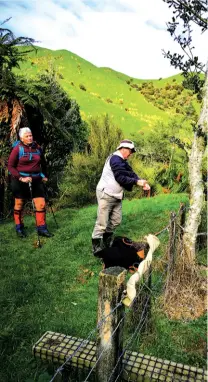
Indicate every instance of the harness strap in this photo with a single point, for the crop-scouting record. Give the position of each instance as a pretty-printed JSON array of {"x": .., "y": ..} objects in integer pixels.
[
  {"x": 130, "y": 243},
  {"x": 22, "y": 151}
]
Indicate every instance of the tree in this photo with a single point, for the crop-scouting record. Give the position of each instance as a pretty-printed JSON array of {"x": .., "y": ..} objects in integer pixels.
[
  {"x": 10, "y": 58},
  {"x": 186, "y": 285},
  {"x": 40, "y": 103},
  {"x": 54, "y": 119},
  {"x": 187, "y": 13},
  {"x": 11, "y": 108}
]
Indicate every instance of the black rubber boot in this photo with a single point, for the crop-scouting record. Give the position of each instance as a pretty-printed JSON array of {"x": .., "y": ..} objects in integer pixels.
[
  {"x": 43, "y": 231},
  {"x": 97, "y": 246},
  {"x": 108, "y": 239}
]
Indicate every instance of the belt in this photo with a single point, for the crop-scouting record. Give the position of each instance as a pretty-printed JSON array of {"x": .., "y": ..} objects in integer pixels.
[{"x": 33, "y": 175}]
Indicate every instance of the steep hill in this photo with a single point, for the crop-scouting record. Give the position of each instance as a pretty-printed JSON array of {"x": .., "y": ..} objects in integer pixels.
[{"x": 101, "y": 90}]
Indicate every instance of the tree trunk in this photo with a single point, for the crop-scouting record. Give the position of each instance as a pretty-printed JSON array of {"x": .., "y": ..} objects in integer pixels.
[
  {"x": 17, "y": 113},
  {"x": 196, "y": 182}
]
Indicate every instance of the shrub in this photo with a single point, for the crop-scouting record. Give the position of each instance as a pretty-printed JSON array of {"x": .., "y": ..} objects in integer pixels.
[
  {"x": 82, "y": 87},
  {"x": 135, "y": 86},
  {"x": 83, "y": 170}
]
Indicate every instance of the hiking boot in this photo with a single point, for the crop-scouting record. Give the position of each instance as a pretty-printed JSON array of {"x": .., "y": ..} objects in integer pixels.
[
  {"x": 20, "y": 231},
  {"x": 108, "y": 239},
  {"x": 97, "y": 246},
  {"x": 43, "y": 231}
]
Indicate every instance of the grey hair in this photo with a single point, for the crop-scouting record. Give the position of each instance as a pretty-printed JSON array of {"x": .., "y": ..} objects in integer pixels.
[{"x": 24, "y": 130}]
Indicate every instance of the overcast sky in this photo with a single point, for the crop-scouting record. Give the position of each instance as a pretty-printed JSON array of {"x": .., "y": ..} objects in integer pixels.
[{"x": 125, "y": 35}]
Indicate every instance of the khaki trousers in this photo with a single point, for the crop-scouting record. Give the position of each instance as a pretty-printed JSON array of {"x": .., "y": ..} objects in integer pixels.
[{"x": 109, "y": 214}]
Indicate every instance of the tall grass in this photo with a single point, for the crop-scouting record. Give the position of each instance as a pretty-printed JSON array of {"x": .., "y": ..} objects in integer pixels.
[{"x": 55, "y": 287}]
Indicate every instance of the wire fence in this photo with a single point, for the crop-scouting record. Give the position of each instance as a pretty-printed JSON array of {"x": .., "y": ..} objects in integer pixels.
[
  {"x": 132, "y": 362},
  {"x": 84, "y": 342},
  {"x": 128, "y": 362},
  {"x": 129, "y": 341}
]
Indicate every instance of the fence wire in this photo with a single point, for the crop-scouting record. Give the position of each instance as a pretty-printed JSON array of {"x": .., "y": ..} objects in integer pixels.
[
  {"x": 138, "y": 327},
  {"x": 104, "y": 348},
  {"x": 134, "y": 336},
  {"x": 85, "y": 341},
  {"x": 156, "y": 371}
]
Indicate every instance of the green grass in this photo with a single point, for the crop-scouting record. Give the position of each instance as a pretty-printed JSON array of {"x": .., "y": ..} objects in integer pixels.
[
  {"x": 129, "y": 109},
  {"x": 46, "y": 289}
]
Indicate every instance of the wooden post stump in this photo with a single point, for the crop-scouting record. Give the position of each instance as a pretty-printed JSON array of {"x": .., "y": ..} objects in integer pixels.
[{"x": 109, "y": 337}]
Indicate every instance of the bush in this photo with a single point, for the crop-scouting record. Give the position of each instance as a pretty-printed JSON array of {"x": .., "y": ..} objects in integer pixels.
[
  {"x": 83, "y": 170},
  {"x": 82, "y": 87}
]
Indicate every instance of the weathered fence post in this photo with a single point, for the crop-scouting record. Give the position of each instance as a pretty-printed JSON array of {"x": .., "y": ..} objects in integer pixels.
[
  {"x": 109, "y": 337},
  {"x": 176, "y": 233},
  {"x": 172, "y": 243},
  {"x": 181, "y": 220},
  {"x": 147, "y": 298},
  {"x": 175, "y": 242}
]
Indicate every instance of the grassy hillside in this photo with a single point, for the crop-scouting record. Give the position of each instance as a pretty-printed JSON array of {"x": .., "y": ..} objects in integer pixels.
[
  {"x": 55, "y": 287},
  {"x": 100, "y": 90}
]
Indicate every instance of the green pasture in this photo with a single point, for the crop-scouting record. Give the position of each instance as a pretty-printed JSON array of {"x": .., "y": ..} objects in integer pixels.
[
  {"x": 55, "y": 288},
  {"x": 106, "y": 90}
]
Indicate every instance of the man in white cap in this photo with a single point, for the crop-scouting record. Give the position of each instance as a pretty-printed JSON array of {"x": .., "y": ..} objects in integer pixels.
[{"x": 116, "y": 177}]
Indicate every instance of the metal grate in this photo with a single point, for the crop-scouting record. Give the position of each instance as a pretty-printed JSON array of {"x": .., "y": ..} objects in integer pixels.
[
  {"x": 58, "y": 347},
  {"x": 137, "y": 365}
]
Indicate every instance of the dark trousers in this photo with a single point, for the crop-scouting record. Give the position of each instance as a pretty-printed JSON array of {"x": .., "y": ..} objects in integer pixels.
[{"x": 21, "y": 190}]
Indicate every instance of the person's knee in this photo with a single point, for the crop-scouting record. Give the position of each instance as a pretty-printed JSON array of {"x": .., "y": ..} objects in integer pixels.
[
  {"x": 116, "y": 222},
  {"x": 39, "y": 204},
  {"x": 18, "y": 205}
]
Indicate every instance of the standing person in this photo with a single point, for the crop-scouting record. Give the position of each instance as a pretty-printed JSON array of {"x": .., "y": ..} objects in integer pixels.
[
  {"x": 27, "y": 167},
  {"x": 116, "y": 177}
]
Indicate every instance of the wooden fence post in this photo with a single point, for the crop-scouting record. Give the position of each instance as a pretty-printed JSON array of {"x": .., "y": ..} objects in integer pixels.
[
  {"x": 172, "y": 242},
  {"x": 175, "y": 241},
  {"x": 147, "y": 298},
  {"x": 175, "y": 238},
  {"x": 110, "y": 337}
]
